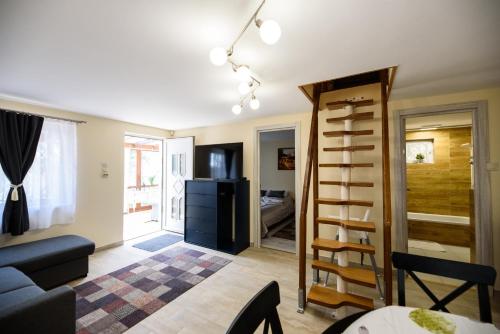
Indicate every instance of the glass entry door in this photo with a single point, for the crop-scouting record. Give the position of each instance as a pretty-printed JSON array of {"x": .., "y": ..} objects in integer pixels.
[{"x": 143, "y": 159}]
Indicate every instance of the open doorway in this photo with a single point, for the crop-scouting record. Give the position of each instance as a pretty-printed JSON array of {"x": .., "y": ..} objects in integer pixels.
[
  {"x": 277, "y": 170},
  {"x": 440, "y": 186},
  {"x": 143, "y": 163},
  {"x": 472, "y": 213}
]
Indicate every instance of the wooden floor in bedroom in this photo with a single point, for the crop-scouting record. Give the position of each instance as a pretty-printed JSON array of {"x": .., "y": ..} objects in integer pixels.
[{"x": 211, "y": 306}]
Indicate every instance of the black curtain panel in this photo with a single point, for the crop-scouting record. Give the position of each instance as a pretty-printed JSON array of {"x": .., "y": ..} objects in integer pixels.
[{"x": 19, "y": 135}]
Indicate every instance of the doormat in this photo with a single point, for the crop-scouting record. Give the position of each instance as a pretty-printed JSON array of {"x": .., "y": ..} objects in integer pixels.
[
  {"x": 162, "y": 241},
  {"x": 115, "y": 302}
]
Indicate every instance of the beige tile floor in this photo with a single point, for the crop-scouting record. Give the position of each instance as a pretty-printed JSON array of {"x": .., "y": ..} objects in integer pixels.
[
  {"x": 138, "y": 224},
  {"x": 210, "y": 306}
]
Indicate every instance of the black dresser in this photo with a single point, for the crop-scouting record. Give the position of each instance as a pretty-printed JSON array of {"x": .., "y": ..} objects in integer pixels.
[{"x": 217, "y": 214}]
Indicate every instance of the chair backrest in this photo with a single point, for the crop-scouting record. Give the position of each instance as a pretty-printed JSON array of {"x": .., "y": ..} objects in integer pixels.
[
  {"x": 262, "y": 307},
  {"x": 471, "y": 273}
]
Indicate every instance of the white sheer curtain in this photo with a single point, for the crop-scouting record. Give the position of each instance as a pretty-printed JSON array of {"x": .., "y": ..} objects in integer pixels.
[{"x": 50, "y": 184}]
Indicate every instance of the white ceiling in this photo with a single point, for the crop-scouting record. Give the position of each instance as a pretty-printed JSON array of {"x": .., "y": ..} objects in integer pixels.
[{"x": 146, "y": 61}]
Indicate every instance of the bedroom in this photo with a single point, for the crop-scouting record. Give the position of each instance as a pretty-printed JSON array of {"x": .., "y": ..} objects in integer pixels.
[{"x": 277, "y": 189}]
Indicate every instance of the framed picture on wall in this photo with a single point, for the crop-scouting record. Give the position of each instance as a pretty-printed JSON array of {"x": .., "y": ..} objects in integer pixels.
[{"x": 286, "y": 158}]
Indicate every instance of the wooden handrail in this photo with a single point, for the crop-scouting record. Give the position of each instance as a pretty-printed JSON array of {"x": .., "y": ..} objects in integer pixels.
[
  {"x": 386, "y": 174},
  {"x": 305, "y": 197}
]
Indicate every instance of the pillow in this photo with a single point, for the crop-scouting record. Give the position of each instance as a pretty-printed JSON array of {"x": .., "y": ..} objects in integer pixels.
[
  {"x": 276, "y": 193},
  {"x": 263, "y": 193}
]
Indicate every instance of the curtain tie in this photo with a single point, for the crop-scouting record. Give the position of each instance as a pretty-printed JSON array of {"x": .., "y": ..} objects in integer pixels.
[{"x": 14, "y": 197}]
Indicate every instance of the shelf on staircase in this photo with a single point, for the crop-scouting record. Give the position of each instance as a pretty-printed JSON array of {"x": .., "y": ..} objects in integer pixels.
[
  {"x": 339, "y": 246},
  {"x": 336, "y": 201},
  {"x": 349, "y": 148},
  {"x": 346, "y": 184},
  {"x": 331, "y": 298},
  {"x": 358, "y": 276},
  {"x": 351, "y": 165},
  {"x": 355, "y": 225},
  {"x": 345, "y": 132}
]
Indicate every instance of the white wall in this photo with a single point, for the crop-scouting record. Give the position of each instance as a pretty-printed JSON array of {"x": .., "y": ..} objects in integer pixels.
[
  {"x": 99, "y": 204},
  {"x": 270, "y": 177}
]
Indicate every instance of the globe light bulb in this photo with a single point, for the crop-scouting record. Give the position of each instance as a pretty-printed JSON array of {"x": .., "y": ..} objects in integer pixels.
[
  {"x": 236, "y": 109},
  {"x": 218, "y": 56},
  {"x": 244, "y": 88},
  {"x": 243, "y": 73},
  {"x": 270, "y": 32},
  {"x": 254, "y": 103}
]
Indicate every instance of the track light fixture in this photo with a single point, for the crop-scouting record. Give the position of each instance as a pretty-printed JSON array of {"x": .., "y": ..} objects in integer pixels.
[{"x": 270, "y": 33}]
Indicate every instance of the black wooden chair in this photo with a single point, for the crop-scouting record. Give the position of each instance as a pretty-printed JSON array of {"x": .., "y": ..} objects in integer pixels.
[
  {"x": 472, "y": 274},
  {"x": 262, "y": 307}
]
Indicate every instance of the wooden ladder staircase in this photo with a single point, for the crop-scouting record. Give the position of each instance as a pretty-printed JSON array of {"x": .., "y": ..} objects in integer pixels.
[{"x": 346, "y": 274}]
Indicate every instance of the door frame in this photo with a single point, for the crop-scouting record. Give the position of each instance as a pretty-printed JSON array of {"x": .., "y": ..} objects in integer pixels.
[
  {"x": 162, "y": 139},
  {"x": 256, "y": 176},
  {"x": 482, "y": 191}
]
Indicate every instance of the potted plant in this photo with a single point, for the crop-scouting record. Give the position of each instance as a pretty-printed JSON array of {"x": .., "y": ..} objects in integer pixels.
[{"x": 419, "y": 158}]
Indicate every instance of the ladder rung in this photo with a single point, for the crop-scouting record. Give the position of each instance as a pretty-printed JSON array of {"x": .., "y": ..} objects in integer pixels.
[
  {"x": 355, "y": 225},
  {"x": 355, "y": 117},
  {"x": 341, "y": 104},
  {"x": 331, "y": 298},
  {"x": 336, "y": 201},
  {"x": 347, "y": 184},
  {"x": 344, "y": 133},
  {"x": 339, "y": 246},
  {"x": 354, "y": 275},
  {"x": 366, "y": 164},
  {"x": 350, "y": 148}
]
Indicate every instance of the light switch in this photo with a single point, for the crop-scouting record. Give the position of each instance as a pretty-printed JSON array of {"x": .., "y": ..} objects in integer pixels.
[{"x": 104, "y": 170}]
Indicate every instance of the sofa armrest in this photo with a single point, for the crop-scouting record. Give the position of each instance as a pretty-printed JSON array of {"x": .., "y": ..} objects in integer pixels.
[{"x": 52, "y": 312}]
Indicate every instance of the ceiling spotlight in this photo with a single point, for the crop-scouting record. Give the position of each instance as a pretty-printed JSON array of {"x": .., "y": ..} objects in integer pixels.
[
  {"x": 243, "y": 73},
  {"x": 270, "y": 31},
  {"x": 236, "y": 109},
  {"x": 254, "y": 103},
  {"x": 244, "y": 88},
  {"x": 218, "y": 56}
]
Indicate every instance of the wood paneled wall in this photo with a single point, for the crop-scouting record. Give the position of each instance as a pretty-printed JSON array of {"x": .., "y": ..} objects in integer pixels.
[{"x": 443, "y": 186}]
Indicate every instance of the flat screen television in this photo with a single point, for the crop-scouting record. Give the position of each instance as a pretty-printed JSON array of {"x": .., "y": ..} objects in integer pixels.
[{"x": 220, "y": 161}]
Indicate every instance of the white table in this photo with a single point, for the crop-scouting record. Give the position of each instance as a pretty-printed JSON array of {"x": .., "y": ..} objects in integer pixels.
[{"x": 395, "y": 320}]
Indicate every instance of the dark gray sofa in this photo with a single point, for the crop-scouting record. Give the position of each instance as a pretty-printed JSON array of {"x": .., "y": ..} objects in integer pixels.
[
  {"x": 50, "y": 262},
  {"x": 26, "y": 308},
  {"x": 27, "y": 270}
]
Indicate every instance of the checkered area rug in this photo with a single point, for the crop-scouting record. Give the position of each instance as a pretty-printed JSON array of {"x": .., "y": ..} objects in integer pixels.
[{"x": 117, "y": 301}]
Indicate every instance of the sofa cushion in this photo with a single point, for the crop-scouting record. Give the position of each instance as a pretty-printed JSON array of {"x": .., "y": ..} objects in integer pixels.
[
  {"x": 36, "y": 255},
  {"x": 13, "y": 279},
  {"x": 14, "y": 297}
]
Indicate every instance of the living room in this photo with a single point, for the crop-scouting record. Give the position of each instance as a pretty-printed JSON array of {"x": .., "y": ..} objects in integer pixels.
[{"x": 83, "y": 76}]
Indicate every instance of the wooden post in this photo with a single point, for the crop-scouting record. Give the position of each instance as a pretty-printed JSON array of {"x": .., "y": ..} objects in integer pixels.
[
  {"x": 305, "y": 200},
  {"x": 386, "y": 175}
]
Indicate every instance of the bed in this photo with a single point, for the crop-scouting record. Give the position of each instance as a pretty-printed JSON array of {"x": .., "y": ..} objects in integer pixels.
[{"x": 274, "y": 209}]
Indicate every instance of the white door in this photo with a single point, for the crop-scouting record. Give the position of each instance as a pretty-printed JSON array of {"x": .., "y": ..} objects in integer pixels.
[{"x": 179, "y": 168}]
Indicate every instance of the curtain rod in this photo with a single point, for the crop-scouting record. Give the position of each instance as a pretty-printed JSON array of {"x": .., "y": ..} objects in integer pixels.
[{"x": 47, "y": 116}]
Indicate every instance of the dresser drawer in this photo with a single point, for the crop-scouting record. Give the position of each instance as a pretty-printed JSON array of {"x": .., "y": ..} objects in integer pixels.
[
  {"x": 208, "y": 201},
  {"x": 201, "y": 224},
  {"x": 200, "y": 238},
  {"x": 201, "y": 187},
  {"x": 201, "y": 212}
]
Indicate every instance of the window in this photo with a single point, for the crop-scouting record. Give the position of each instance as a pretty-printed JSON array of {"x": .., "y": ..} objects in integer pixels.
[
  {"x": 50, "y": 184},
  {"x": 420, "y": 151}
]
